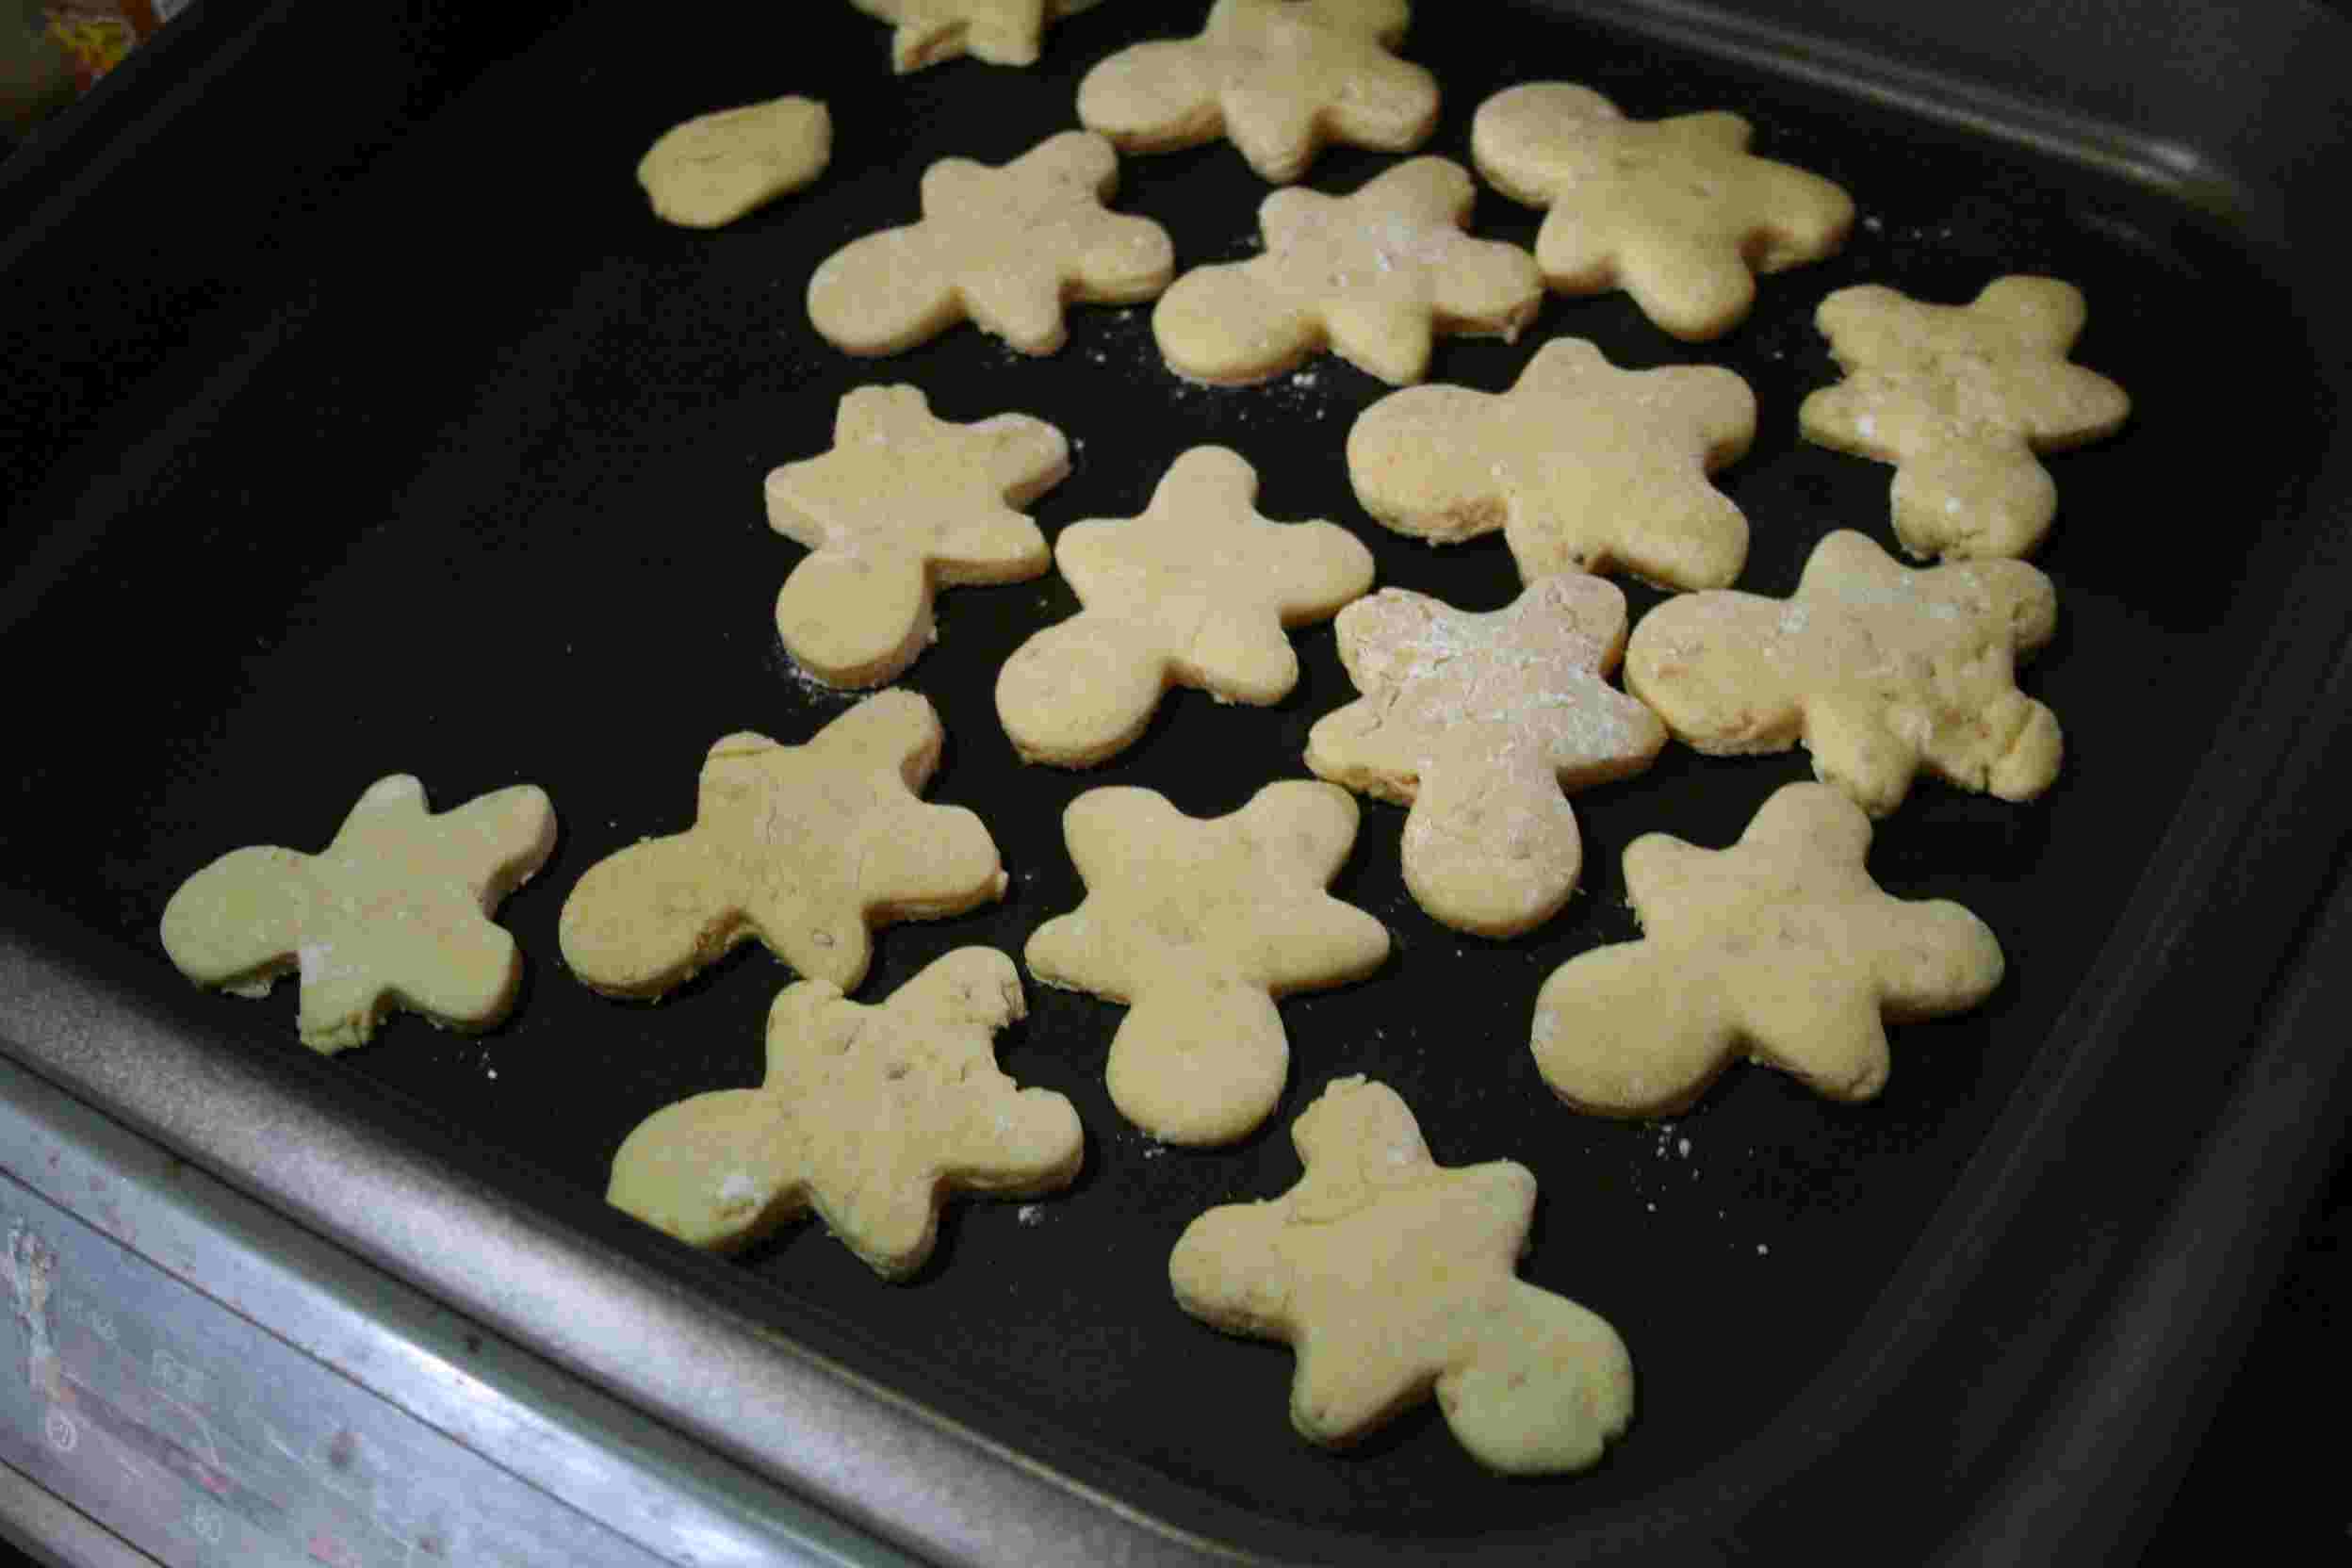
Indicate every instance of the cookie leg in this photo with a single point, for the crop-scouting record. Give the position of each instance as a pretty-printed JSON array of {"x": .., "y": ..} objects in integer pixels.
[{"x": 1202, "y": 1063}]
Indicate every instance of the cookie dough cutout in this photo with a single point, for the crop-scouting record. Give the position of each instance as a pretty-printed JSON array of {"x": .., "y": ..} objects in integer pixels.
[
  {"x": 1583, "y": 467},
  {"x": 1675, "y": 212},
  {"x": 1002, "y": 32},
  {"x": 1477, "y": 722},
  {"x": 1278, "y": 78},
  {"x": 1198, "y": 924},
  {"x": 394, "y": 913},
  {"x": 1961, "y": 399},
  {"x": 1196, "y": 592},
  {"x": 1393, "y": 1277},
  {"x": 808, "y": 848},
  {"x": 1781, "y": 947},
  {"x": 904, "y": 504},
  {"x": 1878, "y": 669},
  {"x": 871, "y": 1115},
  {"x": 1374, "y": 276},
  {"x": 1004, "y": 248},
  {"x": 711, "y": 170}
]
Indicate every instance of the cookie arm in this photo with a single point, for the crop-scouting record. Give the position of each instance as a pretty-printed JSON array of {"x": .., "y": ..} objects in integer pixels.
[{"x": 919, "y": 861}]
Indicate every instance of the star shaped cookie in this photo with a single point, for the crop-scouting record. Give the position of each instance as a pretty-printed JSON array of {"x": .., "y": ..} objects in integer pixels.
[
  {"x": 1477, "y": 723},
  {"x": 1960, "y": 398},
  {"x": 807, "y": 848},
  {"x": 1278, "y": 78},
  {"x": 1005, "y": 247},
  {"x": 1583, "y": 467},
  {"x": 394, "y": 913},
  {"x": 1780, "y": 946},
  {"x": 1393, "y": 1277},
  {"x": 1002, "y": 32},
  {"x": 1880, "y": 670},
  {"x": 1375, "y": 276},
  {"x": 903, "y": 504},
  {"x": 1198, "y": 925},
  {"x": 870, "y": 1114},
  {"x": 1675, "y": 212},
  {"x": 1196, "y": 592}
]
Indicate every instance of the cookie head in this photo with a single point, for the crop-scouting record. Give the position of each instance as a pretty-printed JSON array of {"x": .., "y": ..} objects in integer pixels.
[{"x": 712, "y": 170}]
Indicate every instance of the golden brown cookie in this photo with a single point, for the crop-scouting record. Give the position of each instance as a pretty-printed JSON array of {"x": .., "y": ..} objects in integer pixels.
[
  {"x": 1002, "y": 32},
  {"x": 715, "y": 168}
]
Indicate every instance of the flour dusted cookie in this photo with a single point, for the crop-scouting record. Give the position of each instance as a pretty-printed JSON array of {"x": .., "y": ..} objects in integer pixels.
[
  {"x": 805, "y": 847},
  {"x": 714, "y": 169},
  {"x": 1477, "y": 722},
  {"x": 1393, "y": 1277},
  {"x": 1880, "y": 671},
  {"x": 1583, "y": 467},
  {"x": 1002, "y": 32},
  {"x": 1196, "y": 925},
  {"x": 1278, "y": 78},
  {"x": 872, "y": 1114},
  {"x": 1780, "y": 947},
  {"x": 1960, "y": 398},
  {"x": 1004, "y": 248},
  {"x": 1196, "y": 592},
  {"x": 1675, "y": 212},
  {"x": 904, "y": 503},
  {"x": 394, "y": 913},
  {"x": 1375, "y": 276}
]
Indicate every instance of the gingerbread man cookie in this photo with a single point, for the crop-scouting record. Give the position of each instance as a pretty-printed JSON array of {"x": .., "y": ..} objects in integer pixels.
[
  {"x": 1005, "y": 248},
  {"x": 1279, "y": 78},
  {"x": 1880, "y": 670},
  {"x": 905, "y": 502},
  {"x": 1583, "y": 467},
  {"x": 714, "y": 169},
  {"x": 394, "y": 913},
  {"x": 872, "y": 1114},
  {"x": 807, "y": 848},
  {"x": 1196, "y": 592},
  {"x": 1198, "y": 925},
  {"x": 1395, "y": 1277},
  {"x": 1002, "y": 32},
  {"x": 1477, "y": 723},
  {"x": 1780, "y": 946},
  {"x": 1675, "y": 212},
  {"x": 1960, "y": 398}
]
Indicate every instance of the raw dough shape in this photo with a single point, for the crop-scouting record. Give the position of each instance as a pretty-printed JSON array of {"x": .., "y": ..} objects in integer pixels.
[
  {"x": 1196, "y": 592},
  {"x": 1583, "y": 467},
  {"x": 872, "y": 1114},
  {"x": 394, "y": 913},
  {"x": 1395, "y": 1277},
  {"x": 904, "y": 503},
  {"x": 1477, "y": 722},
  {"x": 806, "y": 847},
  {"x": 1198, "y": 924},
  {"x": 1278, "y": 78},
  {"x": 1960, "y": 398},
  {"x": 1005, "y": 247},
  {"x": 715, "y": 168},
  {"x": 1002, "y": 32},
  {"x": 1675, "y": 212},
  {"x": 1374, "y": 276},
  {"x": 1879, "y": 669},
  {"x": 1780, "y": 946}
]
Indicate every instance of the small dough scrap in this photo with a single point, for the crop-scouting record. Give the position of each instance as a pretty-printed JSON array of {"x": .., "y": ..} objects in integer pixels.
[
  {"x": 1781, "y": 946},
  {"x": 1005, "y": 247},
  {"x": 805, "y": 847},
  {"x": 714, "y": 169},
  {"x": 1002, "y": 32},
  {"x": 1477, "y": 723},
  {"x": 1675, "y": 212},
  {"x": 1960, "y": 398},
  {"x": 1880, "y": 670},
  {"x": 1374, "y": 276},
  {"x": 1196, "y": 592},
  {"x": 1583, "y": 467},
  {"x": 394, "y": 913},
  {"x": 1393, "y": 1277},
  {"x": 904, "y": 503},
  {"x": 1198, "y": 924},
  {"x": 872, "y": 1114},
  {"x": 1279, "y": 78}
]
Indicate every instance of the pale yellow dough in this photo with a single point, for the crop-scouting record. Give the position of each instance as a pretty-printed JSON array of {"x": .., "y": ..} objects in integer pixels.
[
  {"x": 1002, "y": 32},
  {"x": 712, "y": 170}
]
